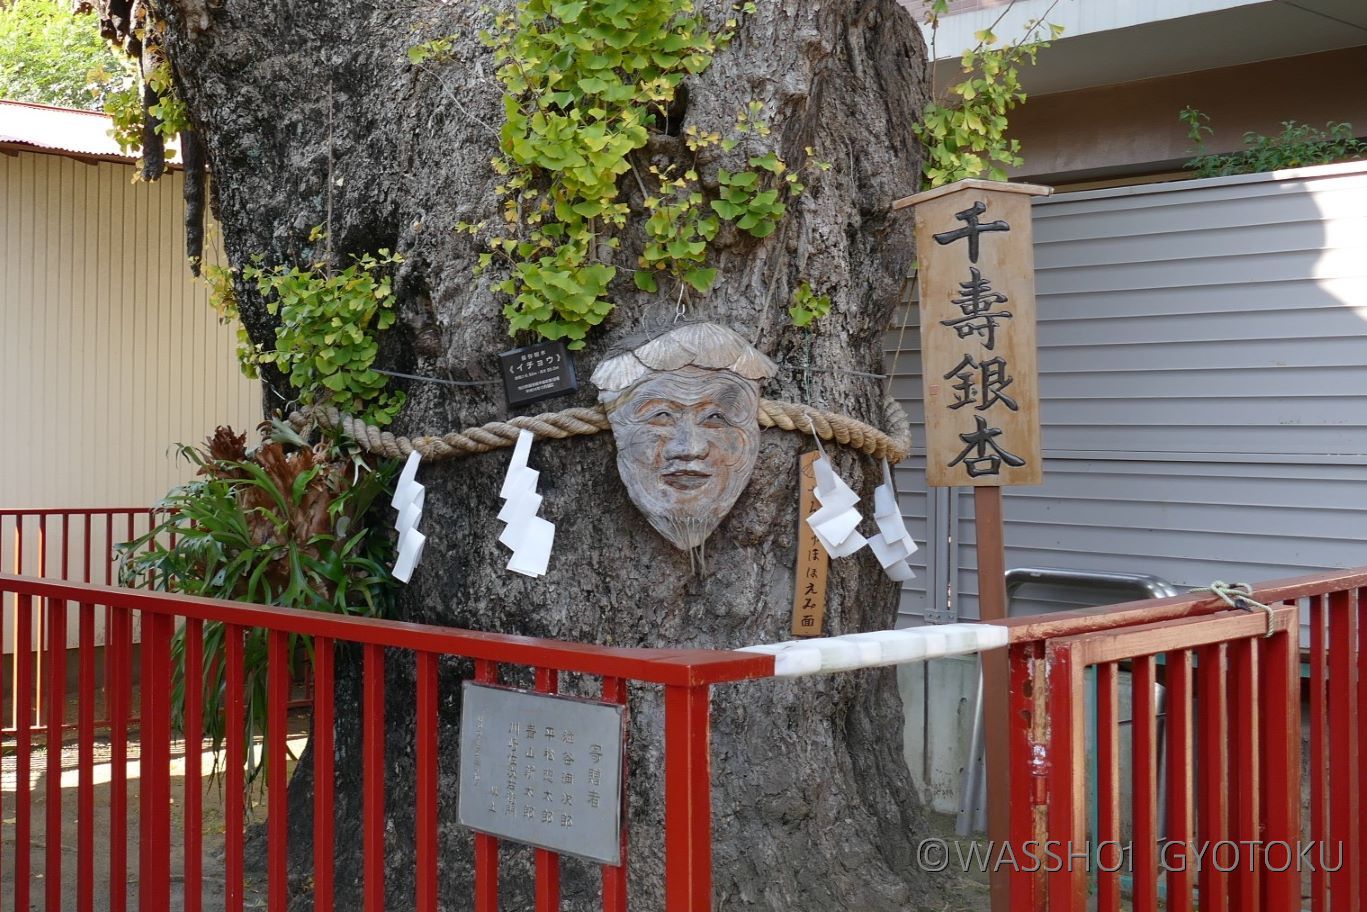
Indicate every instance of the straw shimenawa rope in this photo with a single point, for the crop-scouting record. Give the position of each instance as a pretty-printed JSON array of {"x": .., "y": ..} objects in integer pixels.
[{"x": 573, "y": 422}]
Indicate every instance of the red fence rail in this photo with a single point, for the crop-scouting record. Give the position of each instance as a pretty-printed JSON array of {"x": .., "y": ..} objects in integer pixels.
[
  {"x": 685, "y": 675},
  {"x": 64, "y": 543},
  {"x": 68, "y": 543},
  {"x": 1230, "y": 765}
]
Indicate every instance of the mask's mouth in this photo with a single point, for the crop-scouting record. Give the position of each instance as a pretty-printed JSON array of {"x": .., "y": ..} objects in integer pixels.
[{"x": 686, "y": 479}]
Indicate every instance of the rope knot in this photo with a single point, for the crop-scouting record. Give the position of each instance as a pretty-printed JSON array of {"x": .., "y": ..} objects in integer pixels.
[{"x": 1240, "y": 597}]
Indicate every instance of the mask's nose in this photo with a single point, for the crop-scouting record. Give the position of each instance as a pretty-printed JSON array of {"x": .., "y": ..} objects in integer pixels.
[{"x": 688, "y": 443}]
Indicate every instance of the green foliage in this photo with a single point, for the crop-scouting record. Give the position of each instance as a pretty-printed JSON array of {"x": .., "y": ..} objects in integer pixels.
[
  {"x": 965, "y": 134},
  {"x": 223, "y": 299},
  {"x": 289, "y": 531},
  {"x": 1297, "y": 146},
  {"x": 436, "y": 50},
  {"x": 326, "y": 340},
  {"x": 124, "y": 107},
  {"x": 586, "y": 83},
  {"x": 808, "y": 306},
  {"x": 49, "y": 55}
]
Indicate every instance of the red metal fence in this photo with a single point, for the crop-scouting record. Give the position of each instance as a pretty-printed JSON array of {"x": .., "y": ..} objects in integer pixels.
[
  {"x": 68, "y": 543},
  {"x": 1223, "y": 773},
  {"x": 1230, "y": 769},
  {"x": 72, "y": 543},
  {"x": 686, "y": 677}
]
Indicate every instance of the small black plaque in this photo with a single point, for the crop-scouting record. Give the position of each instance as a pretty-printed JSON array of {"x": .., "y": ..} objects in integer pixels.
[{"x": 537, "y": 372}]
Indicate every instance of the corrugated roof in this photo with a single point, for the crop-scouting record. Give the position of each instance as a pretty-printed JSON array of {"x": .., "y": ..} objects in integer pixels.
[
  {"x": 61, "y": 130},
  {"x": 64, "y": 129}
]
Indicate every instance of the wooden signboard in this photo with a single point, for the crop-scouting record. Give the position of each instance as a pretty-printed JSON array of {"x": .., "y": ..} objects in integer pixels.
[
  {"x": 813, "y": 563},
  {"x": 977, "y": 291},
  {"x": 537, "y": 372}
]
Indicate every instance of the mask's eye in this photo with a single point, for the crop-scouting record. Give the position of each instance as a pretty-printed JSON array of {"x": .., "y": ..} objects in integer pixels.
[
  {"x": 660, "y": 418},
  {"x": 715, "y": 419}
]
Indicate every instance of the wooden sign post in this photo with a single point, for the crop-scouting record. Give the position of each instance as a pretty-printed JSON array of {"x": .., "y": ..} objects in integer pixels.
[{"x": 981, "y": 395}]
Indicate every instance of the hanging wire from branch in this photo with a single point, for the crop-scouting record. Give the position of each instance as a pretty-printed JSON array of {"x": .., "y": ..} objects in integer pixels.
[
  {"x": 909, "y": 283},
  {"x": 389, "y": 373}
]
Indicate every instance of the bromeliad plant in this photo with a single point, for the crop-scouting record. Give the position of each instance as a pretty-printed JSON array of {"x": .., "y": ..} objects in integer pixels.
[{"x": 283, "y": 525}]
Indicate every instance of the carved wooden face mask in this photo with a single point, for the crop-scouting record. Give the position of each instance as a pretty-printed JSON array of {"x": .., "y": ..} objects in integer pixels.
[{"x": 685, "y": 416}]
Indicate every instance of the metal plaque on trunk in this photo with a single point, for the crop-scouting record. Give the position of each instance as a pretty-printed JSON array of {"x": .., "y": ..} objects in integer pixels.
[
  {"x": 537, "y": 372},
  {"x": 544, "y": 770}
]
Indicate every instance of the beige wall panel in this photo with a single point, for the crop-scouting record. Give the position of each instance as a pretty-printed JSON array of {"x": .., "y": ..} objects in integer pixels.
[
  {"x": 1133, "y": 128},
  {"x": 110, "y": 353}
]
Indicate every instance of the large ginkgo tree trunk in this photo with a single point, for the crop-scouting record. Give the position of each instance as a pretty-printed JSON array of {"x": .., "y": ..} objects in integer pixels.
[{"x": 311, "y": 112}]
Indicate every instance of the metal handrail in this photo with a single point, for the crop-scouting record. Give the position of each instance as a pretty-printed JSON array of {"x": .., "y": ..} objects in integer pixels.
[{"x": 1145, "y": 585}]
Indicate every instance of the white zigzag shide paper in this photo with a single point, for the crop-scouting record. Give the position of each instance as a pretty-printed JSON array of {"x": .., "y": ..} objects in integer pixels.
[
  {"x": 836, "y": 521},
  {"x": 408, "y": 500},
  {"x": 529, "y": 536},
  {"x": 892, "y": 545}
]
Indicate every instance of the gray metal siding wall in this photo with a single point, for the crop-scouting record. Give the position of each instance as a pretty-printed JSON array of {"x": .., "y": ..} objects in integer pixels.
[{"x": 1203, "y": 360}]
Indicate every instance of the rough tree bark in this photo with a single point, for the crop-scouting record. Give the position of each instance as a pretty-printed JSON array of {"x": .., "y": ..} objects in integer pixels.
[{"x": 813, "y": 807}]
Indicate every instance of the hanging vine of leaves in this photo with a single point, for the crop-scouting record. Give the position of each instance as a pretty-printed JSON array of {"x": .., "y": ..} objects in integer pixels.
[
  {"x": 586, "y": 83},
  {"x": 326, "y": 343},
  {"x": 964, "y": 132}
]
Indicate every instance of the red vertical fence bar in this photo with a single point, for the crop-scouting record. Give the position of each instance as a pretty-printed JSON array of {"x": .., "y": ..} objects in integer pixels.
[
  {"x": 38, "y": 683},
  {"x": 118, "y": 685},
  {"x": 688, "y": 800},
  {"x": 1212, "y": 782},
  {"x": 1344, "y": 810},
  {"x": 85, "y": 758},
  {"x": 233, "y": 796},
  {"x": 547, "y": 863},
  {"x": 147, "y": 714},
  {"x": 109, "y": 549},
  {"x": 1144, "y": 715},
  {"x": 615, "y": 876},
  {"x": 1319, "y": 762},
  {"x": 192, "y": 688},
  {"x": 486, "y": 846},
  {"x": 23, "y": 712},
  {"x": 322, "y": 774},
  {"x": 1279, "y": 699},
  {"x": 277, "y": 697},
  {"x": 154, "y": 765},
  {"x": 373, "y": 785},
  {"x": 1244, "y": 773},
  {"x": 1360, "y": 663},
  {"x": 1027, "y": 691},
  {"x": 1177, "y": 856},
  {"x": 9, "y": 692},
  {"x": 1109, "y": 854},
  {"x": 107, "y": 713},
  {"x": 426, "y": 736},
  {"x": 1067, "y": 808},
  {"x": 55, "y": 609}
]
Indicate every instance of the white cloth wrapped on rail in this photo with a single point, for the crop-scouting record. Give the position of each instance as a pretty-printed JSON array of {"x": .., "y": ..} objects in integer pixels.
[{"x": 880, "y": 647}]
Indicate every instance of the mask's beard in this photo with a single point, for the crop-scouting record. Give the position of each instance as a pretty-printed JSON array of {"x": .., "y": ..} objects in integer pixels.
[{"x": 685, "y": 532}]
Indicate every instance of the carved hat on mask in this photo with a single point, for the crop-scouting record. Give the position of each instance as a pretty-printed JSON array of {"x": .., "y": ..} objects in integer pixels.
[{"x": 684, "y": 408}]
